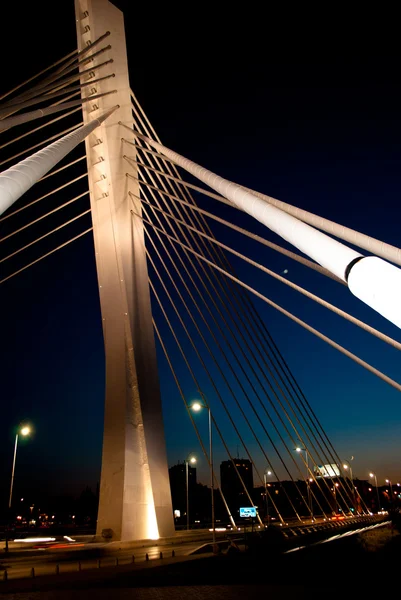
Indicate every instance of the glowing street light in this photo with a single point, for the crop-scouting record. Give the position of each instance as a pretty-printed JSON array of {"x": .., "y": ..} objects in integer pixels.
[
  {"x": 346, "y": 466},
  {"x": 377, "y": 490},
  {"x": 197, "y": 407},
  {"x": 266, "y": 474},
  {"x": 308, "y": 479},
  {"x": 192, "y": 460},
  {"x": 24, "y": 431},
  {"x": 391, "y": 489}
]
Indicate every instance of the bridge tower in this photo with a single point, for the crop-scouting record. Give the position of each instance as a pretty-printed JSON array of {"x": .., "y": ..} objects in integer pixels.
[{"x": 135, "y": 499}]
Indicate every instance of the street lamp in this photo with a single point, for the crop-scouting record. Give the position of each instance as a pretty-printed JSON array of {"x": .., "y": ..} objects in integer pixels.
[
  {"x": 391, "y": 489},
  {"x": 346, "y": 467},
  {"x": 336, "y": 485},
  {"x": 197, "y": 407},
  {"x": 265, "y": 474},
  {"x": 192, "y": 460},
  {"x": 377, "y": 490},
  {"x": 299, "y": 449},
  {"x": 24, "y": 431}
]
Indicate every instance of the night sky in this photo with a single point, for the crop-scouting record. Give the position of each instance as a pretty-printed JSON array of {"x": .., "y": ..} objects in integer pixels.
[{"x": 320, "y": 130}]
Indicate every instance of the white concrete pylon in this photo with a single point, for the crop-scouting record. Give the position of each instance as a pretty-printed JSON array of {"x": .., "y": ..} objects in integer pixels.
[{"x": 135, "y": 498}]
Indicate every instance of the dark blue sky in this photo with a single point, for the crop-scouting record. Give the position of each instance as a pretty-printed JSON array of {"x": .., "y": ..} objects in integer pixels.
[{"x": 317, "y": 130}]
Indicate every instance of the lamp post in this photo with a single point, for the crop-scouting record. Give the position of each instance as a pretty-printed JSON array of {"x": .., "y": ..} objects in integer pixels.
[
  {"x": 24, "y": 431},
  {"x": 336, "y": 485},
  {"x": 265, "y": 474},
  {"x": 377, "y": 490},
  {"x": 192, "y": 460},
  {"x": 299, "y": 449},
  {"x": 197, "y": 406},
  {"x": 346, "y": 467},
  {"x": 391, "y": 490}
]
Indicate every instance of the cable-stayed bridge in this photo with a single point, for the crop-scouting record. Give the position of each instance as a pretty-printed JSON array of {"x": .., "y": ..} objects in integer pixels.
[{"x": 79, "y": 152}]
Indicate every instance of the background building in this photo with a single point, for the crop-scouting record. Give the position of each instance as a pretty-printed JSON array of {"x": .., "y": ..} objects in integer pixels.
[
  {"x": 178, "y": 485},
  {"x": 231, "y": 485}
]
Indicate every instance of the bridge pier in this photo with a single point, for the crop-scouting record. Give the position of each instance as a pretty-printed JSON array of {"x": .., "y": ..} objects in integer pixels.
[{"x": 135, "y": 498}]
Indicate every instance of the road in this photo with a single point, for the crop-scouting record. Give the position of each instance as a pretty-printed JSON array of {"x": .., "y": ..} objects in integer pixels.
[
  {"x": 88, "y": 556},
  {"x": 313, "y": 573},
  {"x": 92, "y": 556}
]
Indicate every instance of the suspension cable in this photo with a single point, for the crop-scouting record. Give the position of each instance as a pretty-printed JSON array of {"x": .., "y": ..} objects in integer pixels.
[
  {"x": 317, "y": 333},
  {"x": 45, "y": 255},
  {"x": 301, "y": 290},
  {"x": 205, "y": 453},
  {"x": 73, "y": 162},
  {"x": 284, "y": 372},
  {"x": 53, "y": 137},
  {"x": 45, "y": 235},
  {"x": 225, "y": 357},
  {"x": 295, "y": 463},
  {"x": 220, "y": 259},
  {"x": 44, "y": 216},
  {"x": 61, "y": 91},
  {"x": 239, "y": 364},
  {"x": 304, "y": 261},
  {"x": 269, "y": 384},
  {"x": 213, "y": 383},
  {"x": 310, "y": 412},
  {"x": 49, "y": 84},
  {"x": 39, "y": 113},
  {"x": 23, "y": 135},
  {"x": 73, "y": 53},
  {"x": 91, "y": 72},
  {"x": 171, "y": 177},
  {"x": 7, "y": 216}
]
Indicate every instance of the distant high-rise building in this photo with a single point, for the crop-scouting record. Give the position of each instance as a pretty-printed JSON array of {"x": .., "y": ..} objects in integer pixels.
[
  {"x": 231, "y": 485},
  {"x": 178, "y": 484}
]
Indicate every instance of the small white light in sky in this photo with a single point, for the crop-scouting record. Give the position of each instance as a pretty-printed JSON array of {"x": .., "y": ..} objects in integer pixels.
[{"x": 285, "y": 272}]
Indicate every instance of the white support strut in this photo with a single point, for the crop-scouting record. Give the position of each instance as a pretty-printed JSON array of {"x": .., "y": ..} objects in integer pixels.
[
  {"x": 371, "y": 279},
  {"x": 366, "y": 242},
  {"x": 327, "y": 252},
  {"x": 17, "y": 180}
]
